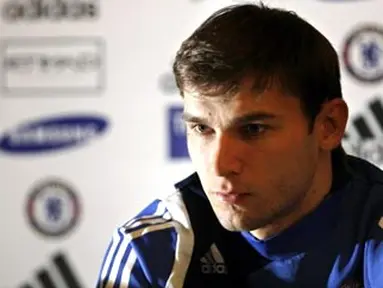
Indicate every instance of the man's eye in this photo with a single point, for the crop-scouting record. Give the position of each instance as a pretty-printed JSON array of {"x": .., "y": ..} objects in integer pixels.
[
  {"x": 253, "y": 129},
  {"x": 200, "y": 128}
]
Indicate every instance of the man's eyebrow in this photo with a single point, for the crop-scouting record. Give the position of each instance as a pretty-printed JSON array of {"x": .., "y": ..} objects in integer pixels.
[
  {"x": 253, "y": 116},
  {"x": 187, "y": 117},
  {"x": 246, "y": 118}
]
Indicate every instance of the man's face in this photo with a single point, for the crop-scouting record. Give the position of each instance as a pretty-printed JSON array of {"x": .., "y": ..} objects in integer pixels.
[{"x": 253, "y": 153}]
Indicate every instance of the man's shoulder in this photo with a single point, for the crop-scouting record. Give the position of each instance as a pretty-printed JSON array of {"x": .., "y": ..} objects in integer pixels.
[
  {"x": 145, "y": 247},
  {"x": 162, "y": 214},
  {"x": 171, "y": 213},
  {"x": 367, "y": 170},
  {"x": 367, "y": 185},
  {"x": 372, "y": 215},
  {"x": 154, "y": 214},
  {"x": 373, "y": 253}
]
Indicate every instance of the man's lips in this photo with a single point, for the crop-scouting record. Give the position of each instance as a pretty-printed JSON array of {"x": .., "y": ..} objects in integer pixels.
[{"x": 231, "y": 197}]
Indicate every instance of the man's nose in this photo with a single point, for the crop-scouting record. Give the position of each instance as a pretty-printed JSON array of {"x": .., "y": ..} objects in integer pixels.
[{"x": 225, "y": 156}]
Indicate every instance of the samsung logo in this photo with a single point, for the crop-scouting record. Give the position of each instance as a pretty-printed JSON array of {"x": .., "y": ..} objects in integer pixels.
[{"x": 54, "y": 133}]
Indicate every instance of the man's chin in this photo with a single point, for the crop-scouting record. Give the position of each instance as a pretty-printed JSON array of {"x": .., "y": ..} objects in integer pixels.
[{"x": 237, "y": 223}]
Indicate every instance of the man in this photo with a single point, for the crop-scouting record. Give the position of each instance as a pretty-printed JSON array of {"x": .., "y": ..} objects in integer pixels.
[{"x": 275, "y": 201}]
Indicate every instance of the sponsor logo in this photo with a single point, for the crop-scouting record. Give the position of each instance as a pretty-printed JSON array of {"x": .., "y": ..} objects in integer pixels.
[
  {"x": 52, "y": 134},
  {"x": 52, "y": 10},
  {"x": 365, "y": 135},
  {"x": 363, "y": 54},
  {"x": 42, "y": 66},
  {"x": 53, "y": 208},
  {"x": 212, "y": 262},
  {"x": 60, "y": 274},
  {"x": 177, "y": 134}
]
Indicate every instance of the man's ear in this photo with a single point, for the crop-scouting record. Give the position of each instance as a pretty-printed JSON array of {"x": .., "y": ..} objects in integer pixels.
[{"x": 331, "y": 123}]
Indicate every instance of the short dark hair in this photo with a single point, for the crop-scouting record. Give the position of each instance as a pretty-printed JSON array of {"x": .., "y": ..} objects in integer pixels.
[{"x": 273, "y": 46}]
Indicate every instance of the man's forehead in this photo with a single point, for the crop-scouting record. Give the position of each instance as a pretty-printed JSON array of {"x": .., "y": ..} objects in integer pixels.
[
  {"x": 270, "y": 104},
  {"x": 248, "y": 88},
  {"x": 241, "y": 99}
]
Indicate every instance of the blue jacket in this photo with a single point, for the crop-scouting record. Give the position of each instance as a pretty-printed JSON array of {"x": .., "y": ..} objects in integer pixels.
[{"x": 178, "y": 242}]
